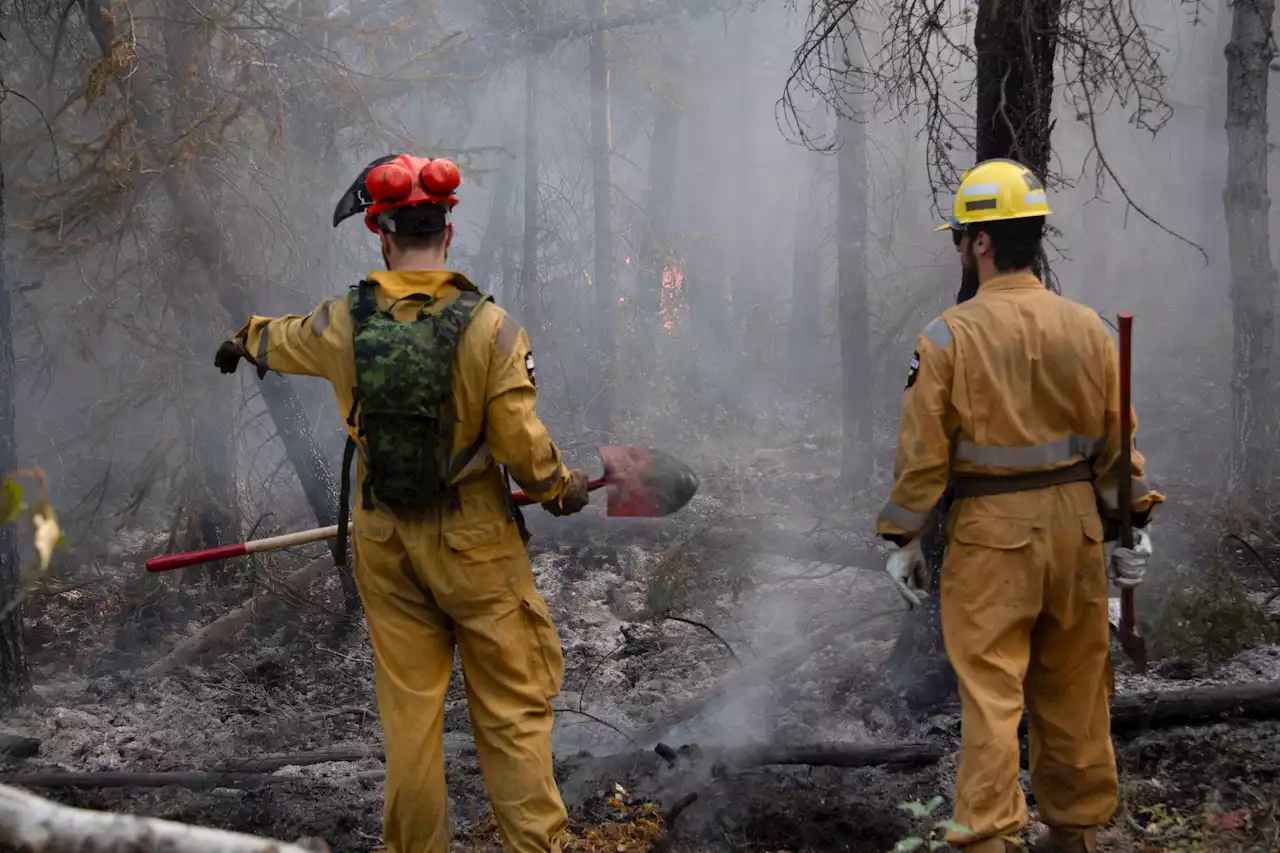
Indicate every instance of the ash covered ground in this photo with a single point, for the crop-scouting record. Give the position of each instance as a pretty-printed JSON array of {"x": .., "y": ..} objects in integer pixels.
[{"x": 290, "y": 684}]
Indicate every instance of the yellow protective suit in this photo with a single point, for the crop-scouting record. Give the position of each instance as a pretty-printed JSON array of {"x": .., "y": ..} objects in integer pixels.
[
  {"x": 1018, "y": 380},
  {"x": 461, "y": 576}
]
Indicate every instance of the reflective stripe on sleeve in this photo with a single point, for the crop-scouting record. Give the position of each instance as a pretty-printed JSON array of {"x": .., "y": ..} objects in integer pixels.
[{"x": 903, "y": 517}]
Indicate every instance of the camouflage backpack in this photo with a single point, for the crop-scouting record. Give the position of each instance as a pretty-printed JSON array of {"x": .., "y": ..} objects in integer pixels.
[{"x": 403, "y": 406}]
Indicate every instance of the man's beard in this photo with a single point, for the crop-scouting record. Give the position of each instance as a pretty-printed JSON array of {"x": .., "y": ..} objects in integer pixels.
[{"x": 968, "y": 277}]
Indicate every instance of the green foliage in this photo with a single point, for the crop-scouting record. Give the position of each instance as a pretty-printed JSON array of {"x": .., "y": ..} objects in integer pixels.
[
  {"x": 46, "y": 532},
  {"x": 930, "y": 830},
  {"x": 1211, "y": 621}
]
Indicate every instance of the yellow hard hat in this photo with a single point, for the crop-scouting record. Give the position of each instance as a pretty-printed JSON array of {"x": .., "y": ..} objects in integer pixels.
[{"x": 995, "y": 190}]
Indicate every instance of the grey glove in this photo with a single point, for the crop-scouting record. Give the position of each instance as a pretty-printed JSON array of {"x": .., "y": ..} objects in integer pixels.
[{"x": 1127, "y": 567}]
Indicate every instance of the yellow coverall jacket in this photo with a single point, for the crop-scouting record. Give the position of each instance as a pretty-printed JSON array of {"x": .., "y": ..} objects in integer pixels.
[
  {"x": 1016, "y": 380},
  {"x": 461, "y": 576}
]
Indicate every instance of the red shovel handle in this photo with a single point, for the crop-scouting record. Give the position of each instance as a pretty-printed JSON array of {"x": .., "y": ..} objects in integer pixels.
[
  {"x": 524, "y": 500},
  {"x": 1128, "y": 613}
]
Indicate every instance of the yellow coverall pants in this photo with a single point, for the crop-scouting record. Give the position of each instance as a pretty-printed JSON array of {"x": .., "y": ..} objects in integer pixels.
[
  {"x": 1025, "y": 619},
  {"x": 462, "y": 577}
]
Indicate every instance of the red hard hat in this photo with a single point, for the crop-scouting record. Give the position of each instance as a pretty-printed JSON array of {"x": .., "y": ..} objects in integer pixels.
[{"x": 408, "y": 181}]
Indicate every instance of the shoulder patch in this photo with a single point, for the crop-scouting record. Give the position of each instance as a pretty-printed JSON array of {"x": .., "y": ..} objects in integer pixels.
[
  {"x": 529, "y": 368},
  {"x": 913, "y": 370}
]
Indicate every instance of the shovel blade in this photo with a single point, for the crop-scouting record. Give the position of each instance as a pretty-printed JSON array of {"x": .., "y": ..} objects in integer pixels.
[
  {"x": 1125, "y": 630},
  {"x": 645, "y": 483}
]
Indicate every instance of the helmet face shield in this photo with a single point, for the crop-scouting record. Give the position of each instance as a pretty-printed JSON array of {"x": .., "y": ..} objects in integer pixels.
[{"x": 357, "y": 199}]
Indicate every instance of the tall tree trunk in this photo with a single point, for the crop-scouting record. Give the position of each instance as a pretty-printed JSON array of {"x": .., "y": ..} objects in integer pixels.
[
  {"x": 855, "y": 367},
  {"x": 806, "y": 273},
  {"x": 655, "y": 239},
  {"x": 1015, "y": 44},
  {"x": 529, "y": 259},
  {"x": 231, "y": 284},
  {"x": 208, "y": 491},
  {"x": 497, "y": 232},
  {"x": 602, "y": 195},
  {"x": 1253, "y": 277},
  {"x": 748, "y": 304},
  {"x": 15, "y": 676}
]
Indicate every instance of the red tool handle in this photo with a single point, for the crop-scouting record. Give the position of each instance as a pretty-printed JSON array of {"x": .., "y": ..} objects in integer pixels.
[
  {"x": 1128, "y": 613},
  {"x": 524, "y": 500},
  {"x": 169, "y": 562}
]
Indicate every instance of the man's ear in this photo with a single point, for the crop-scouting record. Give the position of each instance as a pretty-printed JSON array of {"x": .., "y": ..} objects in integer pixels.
[
  {"x": 448, "y": 235},
  {"x": 385, "y": 241},
  {"x": 981, "y": 243}
]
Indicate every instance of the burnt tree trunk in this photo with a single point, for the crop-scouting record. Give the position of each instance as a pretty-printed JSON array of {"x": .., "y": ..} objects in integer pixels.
[
  {"x": 655, "y": 239},
  {"x": 1015, "y": 44},
  {"x": 208, "y": 492},
  {"x": 855, "y": 368},
  {"x": 806, "y": 275},
  {"x": 1253, "y": 277},
  {"x": 529, "y": 257},
  {"x": 15, "y": 676},
  {"x": 497, "y": 233},
  {"x": 208, "y": 244},
  {"x": 602, "y": 203}
]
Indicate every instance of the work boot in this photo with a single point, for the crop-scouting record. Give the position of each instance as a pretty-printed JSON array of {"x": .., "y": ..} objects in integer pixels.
[{"x": 1069, "y": 839}]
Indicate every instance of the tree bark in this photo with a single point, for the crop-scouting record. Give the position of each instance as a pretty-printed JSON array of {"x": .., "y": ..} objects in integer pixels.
[
  {"x": 806, "y": 276},
  {"x": 1016, "y": 44},
  {"x": 15, "y": 675},
  {"x": 655, "y": 241},
  {"x": 855, "y": 365},
  {"x": 602, "y": 196},
  {"x": 1247, "y": 206},
  {"x": 529, "y": 259},
  {"x": 34, "y": 825},
  {"x": 497, "y": 233},
  {"x": 231, "y": 284}
]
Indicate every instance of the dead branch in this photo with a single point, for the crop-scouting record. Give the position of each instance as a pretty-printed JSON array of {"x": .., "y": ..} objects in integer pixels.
[
  {"x": 812, "y": 755},
  {"x": 34, "y": 825},
  {"x": 229, "y": 625}
]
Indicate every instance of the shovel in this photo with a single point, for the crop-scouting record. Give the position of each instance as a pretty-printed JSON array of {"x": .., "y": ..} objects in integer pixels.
[
  {"x": 641, "y": 483},
  {"x": 1133, "y": 643}
]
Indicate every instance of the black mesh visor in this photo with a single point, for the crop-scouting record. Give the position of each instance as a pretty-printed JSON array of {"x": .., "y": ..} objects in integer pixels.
[{"x": 417, "y": 220}]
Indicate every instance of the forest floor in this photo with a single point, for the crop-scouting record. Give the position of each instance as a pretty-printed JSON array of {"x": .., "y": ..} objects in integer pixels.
[{"x": 290, "y": 685}]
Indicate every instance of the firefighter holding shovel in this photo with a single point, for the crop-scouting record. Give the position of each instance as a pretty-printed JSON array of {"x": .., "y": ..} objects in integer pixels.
[
  {"x": 1018, "y": 395},
  {"x": 437, "y": 385}
]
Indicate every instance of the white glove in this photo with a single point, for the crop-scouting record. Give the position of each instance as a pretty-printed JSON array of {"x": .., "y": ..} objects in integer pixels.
[
  {"x": 1127, "y": 567},
  {"x": 907, "y": 570}
]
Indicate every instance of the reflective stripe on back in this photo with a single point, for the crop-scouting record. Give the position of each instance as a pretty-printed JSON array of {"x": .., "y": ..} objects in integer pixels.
[{"x": 1062, "y": 450}]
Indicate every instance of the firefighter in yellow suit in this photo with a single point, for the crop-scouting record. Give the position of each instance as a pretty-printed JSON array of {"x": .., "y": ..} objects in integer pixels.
[
  {"x": 1014, "y": 393},
  {"x": 460, "y": 575}
]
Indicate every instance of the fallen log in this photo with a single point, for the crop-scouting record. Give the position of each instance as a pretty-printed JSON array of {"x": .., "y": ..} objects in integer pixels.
[
  {"x": 228, "y": 626},
  {"x": 238, "y": 773},
  {"x": 34, "y": 825},
  {"x": 1196, "y": 705}
]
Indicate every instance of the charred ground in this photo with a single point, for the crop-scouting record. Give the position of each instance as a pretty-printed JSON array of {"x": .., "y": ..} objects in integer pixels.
[{"x": 652, "y": 617}]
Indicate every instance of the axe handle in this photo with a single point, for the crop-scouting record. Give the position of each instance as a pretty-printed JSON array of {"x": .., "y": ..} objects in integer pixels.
[
  {"x": 524, "y": 500},
  {"x": 1128, "y": 614}
]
